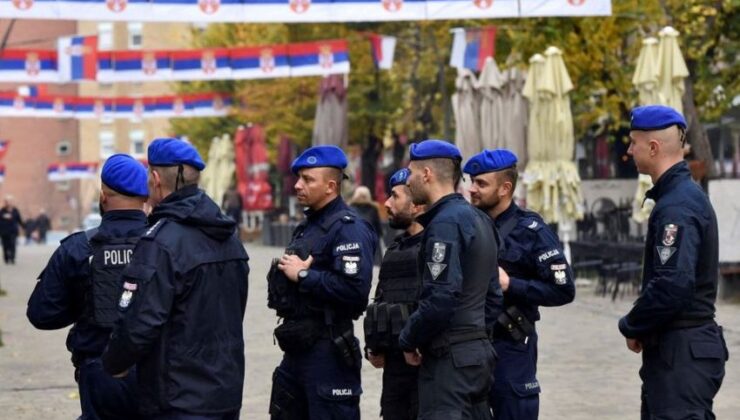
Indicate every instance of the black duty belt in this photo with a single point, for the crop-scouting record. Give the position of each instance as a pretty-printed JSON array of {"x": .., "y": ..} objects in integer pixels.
[
  {"x": 447, "y": 339},
  {"x": 680, "y": 324}
]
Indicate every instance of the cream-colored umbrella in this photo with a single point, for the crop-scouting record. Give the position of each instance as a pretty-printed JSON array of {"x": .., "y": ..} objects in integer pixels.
[
  {"x": 553, "y": 183},
  {"x": 208, "y": 176},
  {"x": 531, "y": 91},
  {"x": 645, "y": 78},
  {"x": 217, "y": 176},
  {"x": 665, "y": 86},
  {"x": 672, "y": 69},
  {"x": 490, "y": 89},
  {"x": 466, "y": 110},
  {"x": 514, "y": 128}
]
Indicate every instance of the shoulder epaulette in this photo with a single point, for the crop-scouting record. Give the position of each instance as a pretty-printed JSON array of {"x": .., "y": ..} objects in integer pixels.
[{"x": 151, "y": 232}]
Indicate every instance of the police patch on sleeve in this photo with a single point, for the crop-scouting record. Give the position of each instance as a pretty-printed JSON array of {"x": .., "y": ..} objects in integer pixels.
[
  {"x": 669, "y": 242},
  {"x": 670, "y": 234},
  {"x": 350, "y": 264},
  {"x": 548, "y": 254},
  {"x": 665, "y": 253},
  {"x": 437, "y": 262},
  {"x": 438, "y": 252}
]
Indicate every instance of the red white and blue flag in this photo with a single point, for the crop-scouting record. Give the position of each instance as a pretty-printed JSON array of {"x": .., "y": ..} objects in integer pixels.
[
  {"x": 320, "y": 58},
  {"x": 137, "y": 66},
  {"x": 72, "y": 170},
  {"x": 259, "y": 62},
  {"x": 383, "y": 49},
  {"x": 207, "y": 64},
  {"x": 4, "y": 147},
  {"x": 28, "y": 66},
  {"x": 77, "y": 58},
  {"x": 471, "y": 47}
]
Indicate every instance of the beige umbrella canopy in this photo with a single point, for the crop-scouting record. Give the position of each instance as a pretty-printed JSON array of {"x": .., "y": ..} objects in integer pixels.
[
  {"x": 514, "y": 129},
  {"x": 220, "y": 169},
  {"x": 659, "y": 79},
  {"x": 331, "y": 124},
  {"x": 553, "y": 183},
  {"x": 672, "y": 69},
  {"x": 531, "y": 91},
  {"x": 466, "y": 110},
  {"x": 490, "y": 89}
]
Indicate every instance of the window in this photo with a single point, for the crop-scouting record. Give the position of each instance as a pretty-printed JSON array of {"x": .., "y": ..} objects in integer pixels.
[
  {"x": 105, "y": 36},
  {"x": 135, "y": 35},
  {"x": 63, "y": 148},
  {"x": 107, "y": 143},
  {"x": 136, "y": 138}
]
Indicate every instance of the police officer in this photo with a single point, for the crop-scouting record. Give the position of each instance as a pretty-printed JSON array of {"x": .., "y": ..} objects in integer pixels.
[
  {"x": 318, "y": 287},
  {"x": 395, "y": 299},
  {"x": 81, "y": 284},
  {"x": 672, "y": 321},
  {"x": 533, "y": 272},
  {"x": 446, "y": 335},
  {"x": 185, "y": 292}
]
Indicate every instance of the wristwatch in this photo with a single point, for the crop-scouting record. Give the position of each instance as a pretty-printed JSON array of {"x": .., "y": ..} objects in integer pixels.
[{"x": 302, "y": 274}]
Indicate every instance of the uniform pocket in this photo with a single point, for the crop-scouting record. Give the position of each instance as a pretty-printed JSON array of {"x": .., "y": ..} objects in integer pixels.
[
  {"x": 707, "y": 350},
  {"x": 339, "y": 392},
  {"x": 466, "y": 355},
  {"x": 525, "y": 389}
]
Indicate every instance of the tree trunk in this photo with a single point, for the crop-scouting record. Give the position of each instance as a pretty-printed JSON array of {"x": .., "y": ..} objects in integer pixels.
[{"x": 696, "y": 134}]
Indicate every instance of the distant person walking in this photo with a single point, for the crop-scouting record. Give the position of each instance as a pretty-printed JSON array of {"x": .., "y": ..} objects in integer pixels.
[
  {"x": 10, "y": 221},
  {"x": 43, "y": 224}
]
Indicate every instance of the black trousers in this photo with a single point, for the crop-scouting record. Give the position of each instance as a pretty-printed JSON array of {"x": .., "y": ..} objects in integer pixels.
[
  {"x": 682, "y": 371},
  {"x": 9, "y": 248},
  {"x": 400, "y": 397},
  {"x": 455, "y": 385}
]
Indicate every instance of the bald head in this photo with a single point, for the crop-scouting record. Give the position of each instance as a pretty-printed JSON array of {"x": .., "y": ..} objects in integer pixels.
[{"x": 655, "y": 151}]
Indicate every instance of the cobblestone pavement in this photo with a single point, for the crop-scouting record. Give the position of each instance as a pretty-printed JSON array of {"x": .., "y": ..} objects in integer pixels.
[{"x": 585, "y": 370}]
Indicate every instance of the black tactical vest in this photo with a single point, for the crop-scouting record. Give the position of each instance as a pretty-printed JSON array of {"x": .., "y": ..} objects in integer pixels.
[
  {"x": 396, "y": 297},
  {"x": 108, "y": 259}
]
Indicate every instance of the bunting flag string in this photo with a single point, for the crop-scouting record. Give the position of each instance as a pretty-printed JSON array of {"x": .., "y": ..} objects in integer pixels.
[
  {"x": 77, "y": 59},
  {"x": 292, "y": 11},
  {"x": 68, "y": 171},
  {"x": 139, "y": 108}
]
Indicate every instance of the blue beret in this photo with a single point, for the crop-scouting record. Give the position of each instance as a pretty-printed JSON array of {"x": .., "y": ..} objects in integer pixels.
[
  {"x": 319, "y": 157},
  {"x": 399, "y": 178},
  {"x": 431, "y": 149},
  {"x": 172, "y": 152},
  {"x": 655, "y": 117},
  {"x": 126, "y": 175},
  {"x": 490, "y": 161}
]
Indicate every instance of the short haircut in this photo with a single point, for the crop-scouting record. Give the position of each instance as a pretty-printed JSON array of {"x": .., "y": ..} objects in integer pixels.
[
  {"x": 334, "y": 174},
  {"x": 509, "y": 174},
  {"x": 447, "y": 170},
  {"x": 169, "y": 175}
]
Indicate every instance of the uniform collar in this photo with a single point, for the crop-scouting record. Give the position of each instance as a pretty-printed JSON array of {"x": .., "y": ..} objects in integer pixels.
[
  {"x": 671, "y": 177},
  {"x": 428, "y": 215},
  {"x": 507, "y": 214},
  {"x": 327, "y": 209},
  {"x": 112, "y": 215}
]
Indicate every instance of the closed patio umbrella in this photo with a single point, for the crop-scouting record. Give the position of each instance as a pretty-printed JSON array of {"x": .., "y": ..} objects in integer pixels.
[
  {"x": 331, "y": 123},
  {"x": 466, "y": 110},
  {"x": 514, "y": 126},
  {"x": 490, "y": 89}
]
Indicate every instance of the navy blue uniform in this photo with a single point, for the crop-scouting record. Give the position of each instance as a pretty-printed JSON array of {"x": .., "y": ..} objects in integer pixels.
[
  {"x": 539, "y": 275},
  {"x": 187, "y": 283},
  {"x": 316, "y": 381},
  {"x": 684, "y": 352},
  {"x": 60, "y": 299},
  {"x": 449, "y": 326}
]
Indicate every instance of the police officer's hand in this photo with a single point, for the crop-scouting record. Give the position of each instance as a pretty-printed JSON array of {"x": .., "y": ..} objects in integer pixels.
[
  {"x": 290, "y": 265},
  {"x": 503, "y": 279},
  {"x": 634, "y": 345},
  {"x": 376, "y": 359},
  {"x": 412, "y": 358}
]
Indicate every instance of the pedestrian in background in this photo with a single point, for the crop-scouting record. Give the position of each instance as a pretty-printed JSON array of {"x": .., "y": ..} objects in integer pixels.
[{"x": 10, "y": 224}]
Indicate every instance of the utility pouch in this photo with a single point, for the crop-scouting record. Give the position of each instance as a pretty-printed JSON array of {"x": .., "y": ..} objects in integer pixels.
[
  {"x": 347, "y": 347},
  {"x": 518, "y": 326},
  {"x": 298, "y": 336}
]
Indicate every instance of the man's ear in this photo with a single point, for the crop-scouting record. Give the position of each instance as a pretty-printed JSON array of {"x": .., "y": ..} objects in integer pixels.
[
  {"x": 654, "y": 146},
  {"x": 103, "y": 197}
]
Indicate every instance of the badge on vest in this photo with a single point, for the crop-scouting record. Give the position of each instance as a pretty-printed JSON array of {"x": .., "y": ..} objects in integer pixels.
[
  {"x": 436, "y": 269},
  {"x": 127, "y": 295}
]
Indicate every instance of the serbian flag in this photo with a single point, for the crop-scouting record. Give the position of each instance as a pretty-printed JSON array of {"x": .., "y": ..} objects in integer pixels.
[
  {"x": 259, "y": 62},
  {"x": 77, "y": 57},
  {"x": 93, "y": 108},
  {"x": 207, "y": 64},
  {"x": 471, "y": 47},
  {"x": 14, "y": 105},
  {"x": 54, "y": 107},
  {"x": 4, "y": 147},
  {"x": 138, "y": 66},
  {"x": 2, "y": 173},
  {"x": 207, "y": 105},
  {"x": 73, "y": 170},
  {"x": 28, "y": 66},
  {"x": 383, "y": 49},
  {"x": 318, "y": 58}
]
